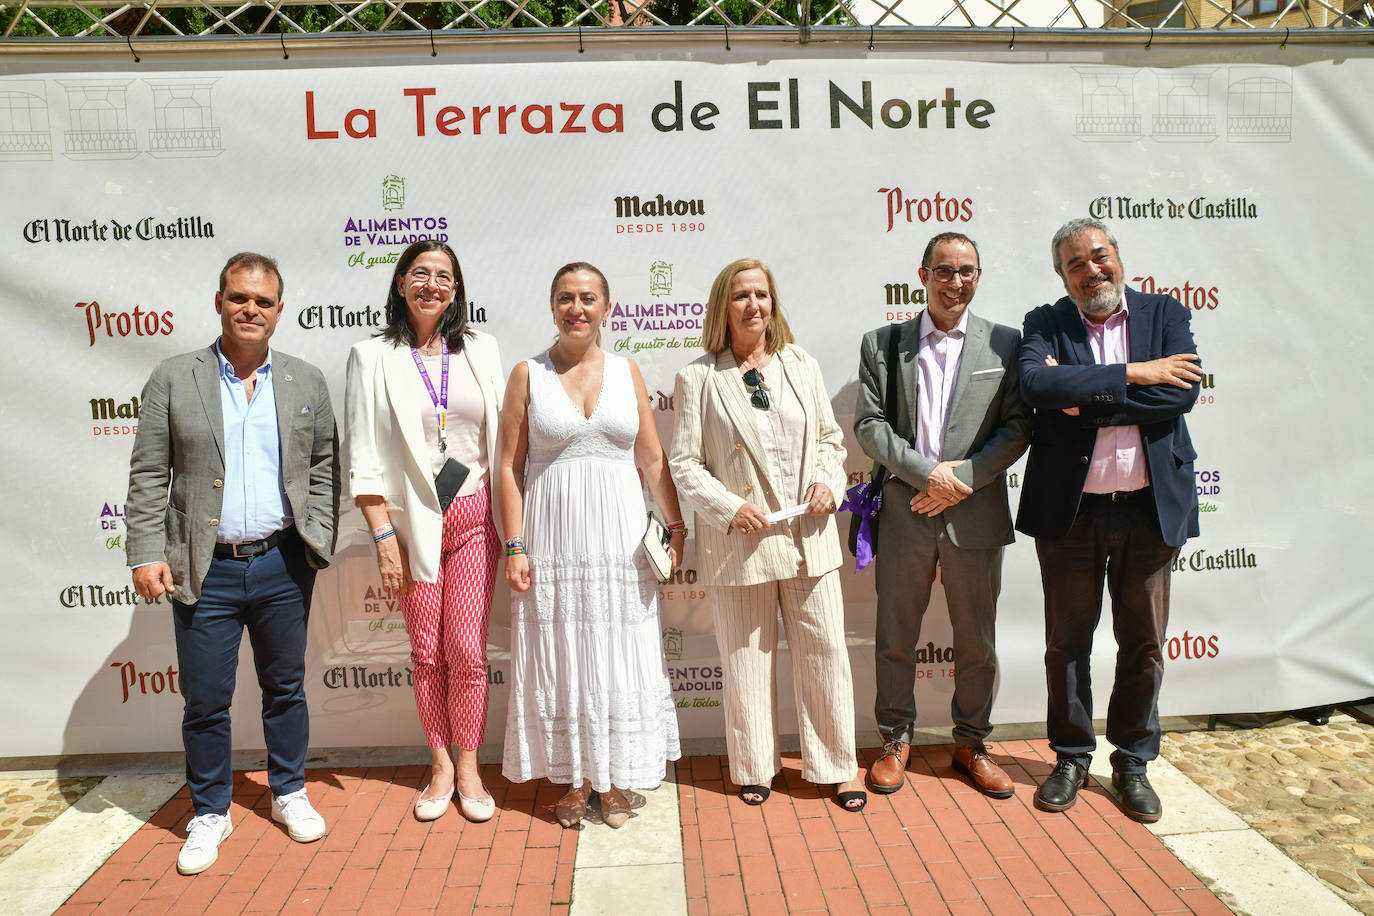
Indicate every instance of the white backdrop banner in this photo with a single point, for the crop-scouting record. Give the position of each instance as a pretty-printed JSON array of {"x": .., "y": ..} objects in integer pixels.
[{"x": 127, "y": 187}]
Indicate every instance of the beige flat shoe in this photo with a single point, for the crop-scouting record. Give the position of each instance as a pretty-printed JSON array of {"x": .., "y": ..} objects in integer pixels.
[
  {"x": 431, "y": 809},
  {"x": 476, "y": 810}
]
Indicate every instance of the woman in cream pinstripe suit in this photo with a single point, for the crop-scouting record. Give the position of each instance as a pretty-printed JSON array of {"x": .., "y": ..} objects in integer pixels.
[{"x": 755, "y": 434}]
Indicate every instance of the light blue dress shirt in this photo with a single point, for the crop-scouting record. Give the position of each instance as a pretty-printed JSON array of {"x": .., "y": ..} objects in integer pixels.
[{"x": 255, "y": 503}]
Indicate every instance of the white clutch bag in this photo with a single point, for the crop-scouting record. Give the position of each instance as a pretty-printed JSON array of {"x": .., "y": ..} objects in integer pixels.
[{"x": 655, "y": 548}]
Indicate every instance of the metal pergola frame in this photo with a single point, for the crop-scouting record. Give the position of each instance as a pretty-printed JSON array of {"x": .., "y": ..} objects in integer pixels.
[{"x": 145, "y": 27}]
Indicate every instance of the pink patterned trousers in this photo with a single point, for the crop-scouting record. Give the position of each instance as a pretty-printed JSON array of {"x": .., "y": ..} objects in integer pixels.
[{"x": 447, "y": 624}]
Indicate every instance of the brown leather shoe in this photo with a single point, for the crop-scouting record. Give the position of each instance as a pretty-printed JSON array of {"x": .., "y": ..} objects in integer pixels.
[
  {"x": 888, "y": 773},
  {"x": 986, "y": 776}
]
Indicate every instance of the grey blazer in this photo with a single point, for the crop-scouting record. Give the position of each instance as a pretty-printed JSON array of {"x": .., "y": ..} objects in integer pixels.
[
  {"x": 176, "y": 474},
  {"x": 988, "y": 425}
]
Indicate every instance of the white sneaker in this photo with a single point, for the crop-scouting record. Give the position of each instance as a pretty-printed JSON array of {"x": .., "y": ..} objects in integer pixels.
[
  {"x": 303, "y": 822},
  {"x": 204, "y": 834}
]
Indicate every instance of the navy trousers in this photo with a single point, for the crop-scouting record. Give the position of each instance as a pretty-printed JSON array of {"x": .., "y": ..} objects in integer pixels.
[{"x": 269, "y": 595}]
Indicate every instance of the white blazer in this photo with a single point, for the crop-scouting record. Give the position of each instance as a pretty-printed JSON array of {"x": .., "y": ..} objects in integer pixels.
[
  {"x": 384, "y": 440},
  {"x": 718, "y": 464}
]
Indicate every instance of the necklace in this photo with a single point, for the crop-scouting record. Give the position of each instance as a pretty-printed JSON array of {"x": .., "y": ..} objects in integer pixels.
[{"x": 750, "y": 362}]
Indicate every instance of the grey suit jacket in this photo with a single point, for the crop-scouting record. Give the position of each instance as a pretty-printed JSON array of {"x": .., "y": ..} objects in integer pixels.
[
  {"x": 988, "y": 425},
  {"x": 176, "y": 474}
]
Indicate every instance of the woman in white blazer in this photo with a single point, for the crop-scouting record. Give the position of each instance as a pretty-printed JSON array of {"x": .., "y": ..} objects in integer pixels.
[
  {"x": 421, "y": 432},
  {"x": 755, "y": 435}
]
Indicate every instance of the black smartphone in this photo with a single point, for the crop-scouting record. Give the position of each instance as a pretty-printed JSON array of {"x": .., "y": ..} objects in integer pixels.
[{"x": 449, "y": 482}]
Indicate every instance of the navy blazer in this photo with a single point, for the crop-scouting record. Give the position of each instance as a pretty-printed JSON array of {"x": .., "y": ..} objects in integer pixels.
[{"x": 1062, "y": 445}]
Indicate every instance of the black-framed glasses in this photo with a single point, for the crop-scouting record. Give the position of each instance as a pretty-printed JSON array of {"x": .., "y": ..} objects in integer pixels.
[
  {"x": 758, "y": 395},
  {"x": 944, "y": 273}
]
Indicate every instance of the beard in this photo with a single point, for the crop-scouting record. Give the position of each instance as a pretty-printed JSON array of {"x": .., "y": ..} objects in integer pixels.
[{"x": 1102, "y": 302}]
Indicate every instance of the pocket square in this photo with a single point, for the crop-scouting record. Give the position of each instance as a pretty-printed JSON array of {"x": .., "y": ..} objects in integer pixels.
[
  {"x": 997, "y": 371},
  {"x": 305, "y": 409}
]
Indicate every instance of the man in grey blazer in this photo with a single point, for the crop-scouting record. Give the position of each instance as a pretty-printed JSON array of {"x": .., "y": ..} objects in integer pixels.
[
  {"x": 958, "y": 423},
  {"x": 232, "y": 507}
]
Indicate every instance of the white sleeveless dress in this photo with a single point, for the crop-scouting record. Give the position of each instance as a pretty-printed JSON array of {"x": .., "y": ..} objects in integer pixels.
[{"x": 589, "y": 696}]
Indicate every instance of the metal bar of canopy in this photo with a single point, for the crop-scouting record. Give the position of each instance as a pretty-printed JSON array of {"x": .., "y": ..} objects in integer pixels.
[{"x": 622, "y": 39}]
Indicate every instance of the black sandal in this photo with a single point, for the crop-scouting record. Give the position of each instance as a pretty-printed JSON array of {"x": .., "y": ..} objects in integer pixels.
[
  {"x": 761, "y": 791},
  {"x": 847, "y": 800}
]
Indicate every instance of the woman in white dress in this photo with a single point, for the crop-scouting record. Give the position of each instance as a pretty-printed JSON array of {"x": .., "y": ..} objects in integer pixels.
[{"x": 590, "y": 703}]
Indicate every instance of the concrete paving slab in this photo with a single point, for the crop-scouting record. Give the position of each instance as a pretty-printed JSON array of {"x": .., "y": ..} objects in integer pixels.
[
  {"x": 1188, "y": 808},
  {"x": 1252, "y": 877},
  {"x": 652, "y": 837},
  {"x": 47, "y": 869},
  {"x": 34, "y": 901},
  {"x": 650, "y": 889}
]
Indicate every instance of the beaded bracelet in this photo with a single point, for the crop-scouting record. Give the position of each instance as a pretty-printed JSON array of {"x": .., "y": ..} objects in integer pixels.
[
  {"x": 515, "y": 551},
  {"x": 677, "y": 526}
]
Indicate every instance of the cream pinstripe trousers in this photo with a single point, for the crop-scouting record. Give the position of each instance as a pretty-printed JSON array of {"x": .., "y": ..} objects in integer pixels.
[{"x": 746, "y": 624}]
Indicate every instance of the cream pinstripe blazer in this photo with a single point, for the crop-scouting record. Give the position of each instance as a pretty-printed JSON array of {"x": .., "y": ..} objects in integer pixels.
[{"x": 718, "y": 464}]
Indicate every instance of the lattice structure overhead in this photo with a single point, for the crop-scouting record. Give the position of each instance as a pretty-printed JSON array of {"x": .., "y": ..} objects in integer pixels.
[{"x": 883, "y": 20}]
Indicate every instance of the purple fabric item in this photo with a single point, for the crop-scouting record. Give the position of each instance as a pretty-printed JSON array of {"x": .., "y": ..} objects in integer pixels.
[{"x": 863, "y": 499}]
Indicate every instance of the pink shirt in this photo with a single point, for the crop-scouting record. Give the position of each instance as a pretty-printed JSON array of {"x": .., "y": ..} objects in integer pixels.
[
  {"x": 1118, "y": 461},
  {"x": 937, "y": 359}
]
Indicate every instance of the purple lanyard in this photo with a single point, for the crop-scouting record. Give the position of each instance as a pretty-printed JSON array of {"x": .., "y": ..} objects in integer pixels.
[{"x": 441, "y": 399}]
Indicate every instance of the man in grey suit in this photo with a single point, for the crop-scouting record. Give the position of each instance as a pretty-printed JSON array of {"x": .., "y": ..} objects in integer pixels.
[
  {"x": 232, "y": 507},
  {"x": 958, "y": 423}
]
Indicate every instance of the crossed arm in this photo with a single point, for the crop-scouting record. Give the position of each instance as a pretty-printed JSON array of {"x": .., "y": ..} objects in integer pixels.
[{"x": 1127, "y": 394}]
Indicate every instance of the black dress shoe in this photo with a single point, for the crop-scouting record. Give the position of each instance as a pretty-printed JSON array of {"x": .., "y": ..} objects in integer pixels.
[
  {"x": 1138, "y": 798},
  {"x": 1060, "y": 789}
]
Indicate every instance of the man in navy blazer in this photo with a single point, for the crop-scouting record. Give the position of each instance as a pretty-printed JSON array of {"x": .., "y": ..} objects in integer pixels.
[{"x": 1109, "y": 497}]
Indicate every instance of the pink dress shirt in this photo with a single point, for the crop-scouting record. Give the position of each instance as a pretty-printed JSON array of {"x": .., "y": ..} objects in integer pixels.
[
  {"x": 1118, "y": 461},
  {"x": 937, "y": 360}
]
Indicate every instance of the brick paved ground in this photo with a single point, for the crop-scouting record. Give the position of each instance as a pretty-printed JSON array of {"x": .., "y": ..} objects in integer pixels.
[
  {"x": 936, "y": 846},
  {"x": 375, "y": 859}
]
